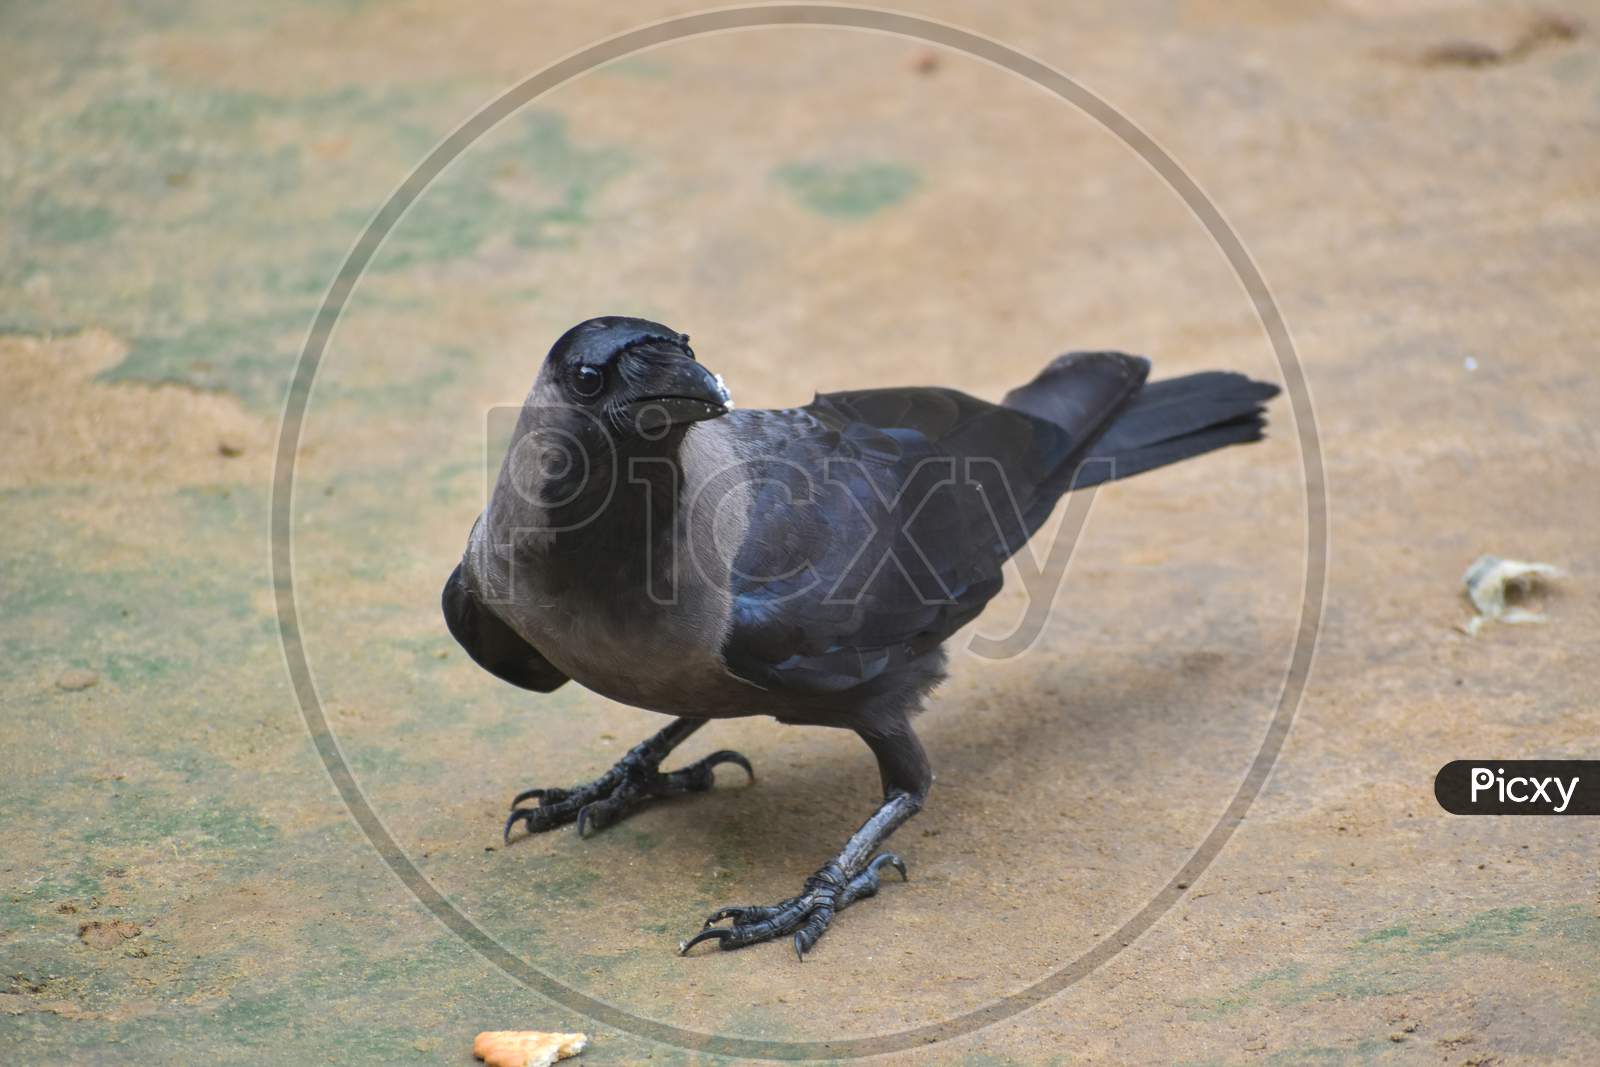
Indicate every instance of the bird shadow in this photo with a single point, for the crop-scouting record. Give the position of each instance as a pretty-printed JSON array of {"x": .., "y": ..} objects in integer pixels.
[{"x": 1115, "y": 718}]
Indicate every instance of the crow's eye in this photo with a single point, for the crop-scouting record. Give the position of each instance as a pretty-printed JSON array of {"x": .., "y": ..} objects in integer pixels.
[{"x": 588, "y": 381}]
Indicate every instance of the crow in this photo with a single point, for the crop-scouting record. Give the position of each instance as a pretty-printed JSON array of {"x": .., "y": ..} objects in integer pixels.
[{"x": 665, "y": 550}]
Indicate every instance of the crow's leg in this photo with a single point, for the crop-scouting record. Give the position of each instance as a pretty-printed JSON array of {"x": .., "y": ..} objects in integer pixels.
[
  {"x": 850, "y": 875},
  {"x": 635, "y": 779}
]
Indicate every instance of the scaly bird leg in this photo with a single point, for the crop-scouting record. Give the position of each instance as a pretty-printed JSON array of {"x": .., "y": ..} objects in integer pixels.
[
  {"x": 851, "y": 875},
  {"x": 636, "y": 778}
]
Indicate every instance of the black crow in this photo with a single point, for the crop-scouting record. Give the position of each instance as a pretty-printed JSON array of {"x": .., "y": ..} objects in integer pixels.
[{"x": 671, "y": 553}]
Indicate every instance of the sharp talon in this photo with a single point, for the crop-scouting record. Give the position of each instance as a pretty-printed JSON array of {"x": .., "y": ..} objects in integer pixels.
[
  {"x": 799, "y": 953},
  {"x": 527, "y": 794},
  {"x": 889, "y": 859},
  {"x": 720, "y": 914},
  {"x": 510, "y": 822},
  {"x": 584, "y": 818},
  {"x": 721, "y": 934},
  {"x": 734, "y": 758}
]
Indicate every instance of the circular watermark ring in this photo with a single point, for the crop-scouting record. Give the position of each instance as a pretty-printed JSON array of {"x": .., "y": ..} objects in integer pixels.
[{"x": 696, "y": 25}]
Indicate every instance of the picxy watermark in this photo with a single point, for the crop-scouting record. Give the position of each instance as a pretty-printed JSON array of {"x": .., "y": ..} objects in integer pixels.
[{"x": 1519, "y": 787}]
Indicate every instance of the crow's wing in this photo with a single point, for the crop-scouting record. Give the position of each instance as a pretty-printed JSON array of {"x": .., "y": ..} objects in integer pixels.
[
  {"x": 492, "y": 644},
  {"x": 881, "y": 522}
]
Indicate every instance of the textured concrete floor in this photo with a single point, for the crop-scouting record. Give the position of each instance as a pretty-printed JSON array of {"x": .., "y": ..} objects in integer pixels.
[{"x": 179, "y": 882}]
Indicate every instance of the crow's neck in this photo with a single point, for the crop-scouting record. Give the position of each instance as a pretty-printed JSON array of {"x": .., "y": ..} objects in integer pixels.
[{"x": 610, "y": 528}]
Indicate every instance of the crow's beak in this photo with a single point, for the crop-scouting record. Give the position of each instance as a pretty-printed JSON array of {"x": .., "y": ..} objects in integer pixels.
[{"x": 688, "y": 393}]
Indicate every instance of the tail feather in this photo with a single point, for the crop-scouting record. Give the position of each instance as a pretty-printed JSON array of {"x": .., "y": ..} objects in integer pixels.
[
  {"x": 1082, "y": 392},
  {"x": 1131, "y": 426},
  {"x": 1176, "y": 419},
  {"x": 1178, "y": 406}
]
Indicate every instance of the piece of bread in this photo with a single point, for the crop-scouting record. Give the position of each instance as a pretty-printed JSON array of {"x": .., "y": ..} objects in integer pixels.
[{"x": 526, "y": 1048}]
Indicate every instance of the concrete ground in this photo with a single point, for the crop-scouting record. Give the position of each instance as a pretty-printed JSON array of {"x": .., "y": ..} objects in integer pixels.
[{"x": 180, "y": 882}]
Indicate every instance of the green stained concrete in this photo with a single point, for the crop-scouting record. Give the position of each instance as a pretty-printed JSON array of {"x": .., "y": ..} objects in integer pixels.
[
  {"x": 50, "y": 221},
  {"x": 134, "y": 207},
  {"x": 848, "y": 191},
  {"x": 534, "y": 184},
  {"x": 1396, "y": 960}
]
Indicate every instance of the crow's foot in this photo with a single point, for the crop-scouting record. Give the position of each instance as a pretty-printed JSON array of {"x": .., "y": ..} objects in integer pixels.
[
  {"x": 635, "y": 779},
  {"x": 806, "y": 916}
]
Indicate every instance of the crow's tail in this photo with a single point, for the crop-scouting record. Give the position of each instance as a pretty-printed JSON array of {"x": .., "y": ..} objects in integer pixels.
[
  {"x": 1176, "y": 419},
  {"x": 1135, "y": 427}
]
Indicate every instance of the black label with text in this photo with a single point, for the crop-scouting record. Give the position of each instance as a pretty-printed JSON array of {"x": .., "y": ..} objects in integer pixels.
[{"x": 1519, "y": 787}]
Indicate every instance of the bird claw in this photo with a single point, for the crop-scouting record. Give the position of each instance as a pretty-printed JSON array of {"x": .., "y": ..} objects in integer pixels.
[
  {"x": 719, "y": 933},
  {"x": 606, "y": 800},
  {"x": 725, "y": 756},
  {"x": 599, "y": 814},
  {"x": 888, "y": 859},
  {"x": 723, "y": 913},
  {"x": 540, "y": 819},
  {"x": 806, "y": 917}
]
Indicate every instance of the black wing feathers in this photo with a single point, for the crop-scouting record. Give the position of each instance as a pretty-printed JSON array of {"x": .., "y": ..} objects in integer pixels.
[
  {"x": 883, "y": 517},
  {"x": 871, "y": 541}
]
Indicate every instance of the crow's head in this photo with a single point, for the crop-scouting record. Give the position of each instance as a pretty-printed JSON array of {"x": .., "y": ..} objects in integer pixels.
[{"x": 638, "y": 377}]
